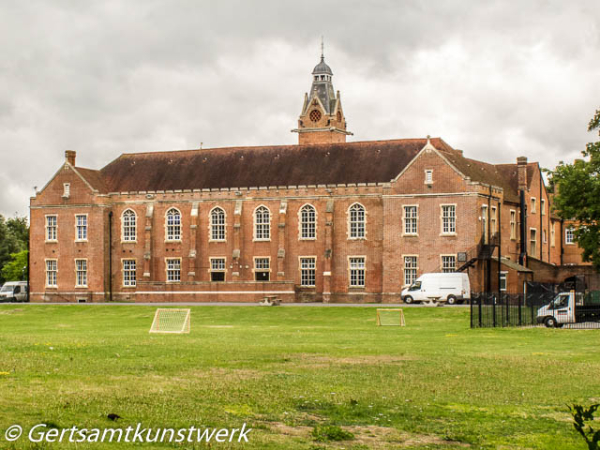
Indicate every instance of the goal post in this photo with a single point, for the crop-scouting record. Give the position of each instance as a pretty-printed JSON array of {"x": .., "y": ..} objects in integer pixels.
[
  {"x": 390, "y": 317},
  {"x": 171, "y": 320}
]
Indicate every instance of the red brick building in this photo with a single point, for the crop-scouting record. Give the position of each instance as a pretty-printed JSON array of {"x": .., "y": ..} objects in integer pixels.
[{"x": 324, "y": 220}]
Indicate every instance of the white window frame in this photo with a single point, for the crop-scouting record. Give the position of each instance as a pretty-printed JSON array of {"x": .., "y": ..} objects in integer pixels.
[
  {"x": 262, "y": 269},
  {"x": 533, "y": 251},
  {"x": 494, "y": 220},
  {"x": 533, "y": 205},
  {"x": 307, "y": 229},
  {"x": 220, "y": 229},
  {"x": 405, "y": 220},
  {"x": 66, "y": 190},
  {"x": 127, "y": 271},
  {"x": 503, "y": 278},
  {"x": 484, "y": 222},
  {"x": 79, "y": 228},
  {"x": 452, "y": 220},
  {"x": 48, "y": 228},
  {"x": 447, "y": 269},
  {"x": 170, "y": 235},
  {"x": 264, "y": 228},
  {"x": 406, "y": 268},
  {"x": 174, "y": 270},
  {"x": 126, "y": 226},
  {"x": 302, "y": 268},
  {"x": 513, "y": 224},
  {"x": 212, "y": 269},
  {"x": 428, "y": 176},
  {"x": 543, "y": 207},
  {"x": 544, "y": 236},
  {"x": 54, "y": 271},
  {"x": 354, "y": 226},
  {"x": 79, "y": 272},
  {"x": 553, "y": 234},
  {"x": 570, "y": 235},
  {"x": 355, "y": 270}
]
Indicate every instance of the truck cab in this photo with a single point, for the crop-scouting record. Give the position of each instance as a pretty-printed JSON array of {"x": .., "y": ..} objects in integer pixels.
[
  {"x": 569, "y": 308},
  {"x": 14, "y": 291}
]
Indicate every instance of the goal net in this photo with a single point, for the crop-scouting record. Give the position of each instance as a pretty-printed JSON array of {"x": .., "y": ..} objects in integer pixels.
[
  {"x": 390, "y": 317},
  {"x": 169, "y": 320}
]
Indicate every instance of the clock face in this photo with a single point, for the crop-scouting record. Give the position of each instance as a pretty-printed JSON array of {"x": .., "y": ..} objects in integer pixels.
[{"x": 315, "y": 115}]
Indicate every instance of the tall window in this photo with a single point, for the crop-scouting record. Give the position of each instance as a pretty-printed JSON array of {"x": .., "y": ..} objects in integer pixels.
[
  {"x": 494, "y": 220},
  {"x": 307, "y": 271},
  {"x": 570, "y": 235},
  {"x": 81, "y": 272},
  {"x": 66, "y": 190},
  {"x": 357, "y": 271},
  {"x": 217, "y": 224},
  {"x": 262, "y": 269},
  {"x": 448, "y": 219},
  {"x": 543, "y": 207},
  {"x": 129, "y": 273},
  {"x": 533, "y": 241},
  {"x": 429, "y": 176},
  {"x": 357, "y": 221},
  {"x": 448, "y": 263},
  {"x": 81, "y": 227},
  {"x": 503, "y": 281},
  {"x": 544, "y": 237},
  {"x": 513, "y": 224},
  {"x": 484, "y": 222},
  {"x": 217, "y": 269},
  {"x": 173, "y": 225},
  {"x": 308, "y": 222},
  {"x": 262, "y": 224},
  {"x": 128, "y": 220},
  {"x": 51, "y": 273},
  {"x": 173, "y": 270},
  {"x": 51, "y": 228},
  {"x": 552, "y": 235},
  {"x": 410, "y": 270},
  {"x": 533, "y": 205},
  {"x": 410, "y": 220}
]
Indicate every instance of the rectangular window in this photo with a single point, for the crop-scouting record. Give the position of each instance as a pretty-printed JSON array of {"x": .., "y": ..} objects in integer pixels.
[
  {"x": 307, "y": 271},
  {"x": 410, "y": 220},
  {"x": 81, "y": 227},
  {"x": 357, "y": 271},
  {"x": 81, "y": 273},
  {"x": 503, "y": 281},
  {"x": 262, "y": 269},
  {"x": 66, "y": 190},
  {"x": 51, "y": 228},
  {"x": 448, "y": 263},
  {"x": 217, "y": 269},
  {"x": 543, "y": 207},
  {"x": 484, "y": 222},
  {"x": 448, "y": 219},
  {"x": 513, "y": 224},
  {"x": 52, "y": 273},
  {"x": 544, "y": 237},
  {"x": 494, "y": 219},
  {"x": 429, "y": 176},
  {"x": 173, "y": 270},
  {"x": 553, "y": 235},
  {"x": 129, "y": 274},
  {"x": 410, "y": 270},
  {"x": 532, "y": 241},
  {"x": 533, "y": 205},
  {"x": 570, "y": 235}
]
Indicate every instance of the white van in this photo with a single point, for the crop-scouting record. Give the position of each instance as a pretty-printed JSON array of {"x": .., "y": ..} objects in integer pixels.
[
  {"x": 438, "y": 287},
  {"x": 14, "y": 291}
]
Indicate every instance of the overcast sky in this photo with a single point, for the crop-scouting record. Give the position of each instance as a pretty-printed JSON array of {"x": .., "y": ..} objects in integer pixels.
[{"x": 496, "y": 78}]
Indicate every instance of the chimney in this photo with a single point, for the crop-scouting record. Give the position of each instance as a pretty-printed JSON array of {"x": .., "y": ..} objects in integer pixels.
[
  {"x": 522, "y": 172},
  {"x": 70, "y": 156}
]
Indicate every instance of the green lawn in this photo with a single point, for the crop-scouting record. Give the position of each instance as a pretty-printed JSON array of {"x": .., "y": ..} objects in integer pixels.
[{"x": 433, "y": 384}]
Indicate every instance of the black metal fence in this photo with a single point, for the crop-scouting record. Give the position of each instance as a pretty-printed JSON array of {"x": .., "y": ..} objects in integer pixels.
[{"x": 538, "y": 306}]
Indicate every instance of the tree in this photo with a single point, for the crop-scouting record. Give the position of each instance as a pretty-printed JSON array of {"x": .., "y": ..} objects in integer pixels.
[
  {"x": 577, "y": 196},
  {"x": 16, "y": 269},
  {"x": 14, "y": 238}
]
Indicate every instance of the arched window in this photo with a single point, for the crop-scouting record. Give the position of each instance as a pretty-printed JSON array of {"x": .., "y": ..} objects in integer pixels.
[
  {"x": 262, "y": 224},
  {"x": 173, "y": 225},
  {"x": 128, "y": 221},
  {"x": 217, "y": 224},
  {"x": 308, "y": 222},
  {"x": 357, "y": 221}
]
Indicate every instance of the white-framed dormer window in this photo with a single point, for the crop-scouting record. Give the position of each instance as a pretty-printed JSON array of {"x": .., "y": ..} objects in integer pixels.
[
  {"x": 262, "y": 224},
  {"x": 217, "y": 224},
  {"x": 81, "y": 270},
  {"x": 448, "y": 216},
  {"x": 356, "y": 267},
  {"x": 66, "y": 190},
  {"x": 262, "y": 268},
  {"x": 129, "y": 273},
  {"x": 429, "y": 176},
  {"x": 570, "y": 235},
  {"x": 217, "y": 269},
  {"x": 128, "y": 226},
  {"x": 448, "y": 263},
  {"x": 51, "y": 273},
  {"x": 308, "y": 266},
  {"x": 173, "y": 225},
  {"x": 51, "y": 228},
  {"x": 81, "y": 227},
  {"x": 308, "y": 222},
  {"x": 357, "y": 221},
  {"x": 533, "y": 205},
  {"x": 173, "y": 268},
  {"x": 410, "y": 218}
]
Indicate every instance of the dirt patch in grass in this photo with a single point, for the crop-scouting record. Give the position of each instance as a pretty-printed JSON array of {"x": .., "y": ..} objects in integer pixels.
[
  {"x": 218, "y": 326},
  {"x": 306, "y": 359}
]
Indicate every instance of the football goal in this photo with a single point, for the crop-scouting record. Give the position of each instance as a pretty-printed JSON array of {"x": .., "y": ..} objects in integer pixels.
[
  {"x": 390, "y": 317},
  {"x": 170, "y": 320}
]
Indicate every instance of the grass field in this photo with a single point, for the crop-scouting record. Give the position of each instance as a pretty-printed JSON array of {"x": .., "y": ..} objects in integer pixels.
[{"x": 433, "y": 384}]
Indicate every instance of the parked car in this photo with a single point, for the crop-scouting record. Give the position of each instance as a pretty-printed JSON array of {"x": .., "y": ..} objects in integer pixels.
[
  {"x": 438, "y": 287},
  {"x": 14, "y": 291}
]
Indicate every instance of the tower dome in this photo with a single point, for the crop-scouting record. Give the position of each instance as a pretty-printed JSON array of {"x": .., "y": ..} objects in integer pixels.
[{"x": 322, "y": 68}]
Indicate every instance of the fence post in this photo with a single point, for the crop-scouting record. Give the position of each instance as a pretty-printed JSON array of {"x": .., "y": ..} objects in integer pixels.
[
  {"x": 494, "y": 309},
  {"x": 520, "y": 302},
  {"x": 480, "y": 318}
]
